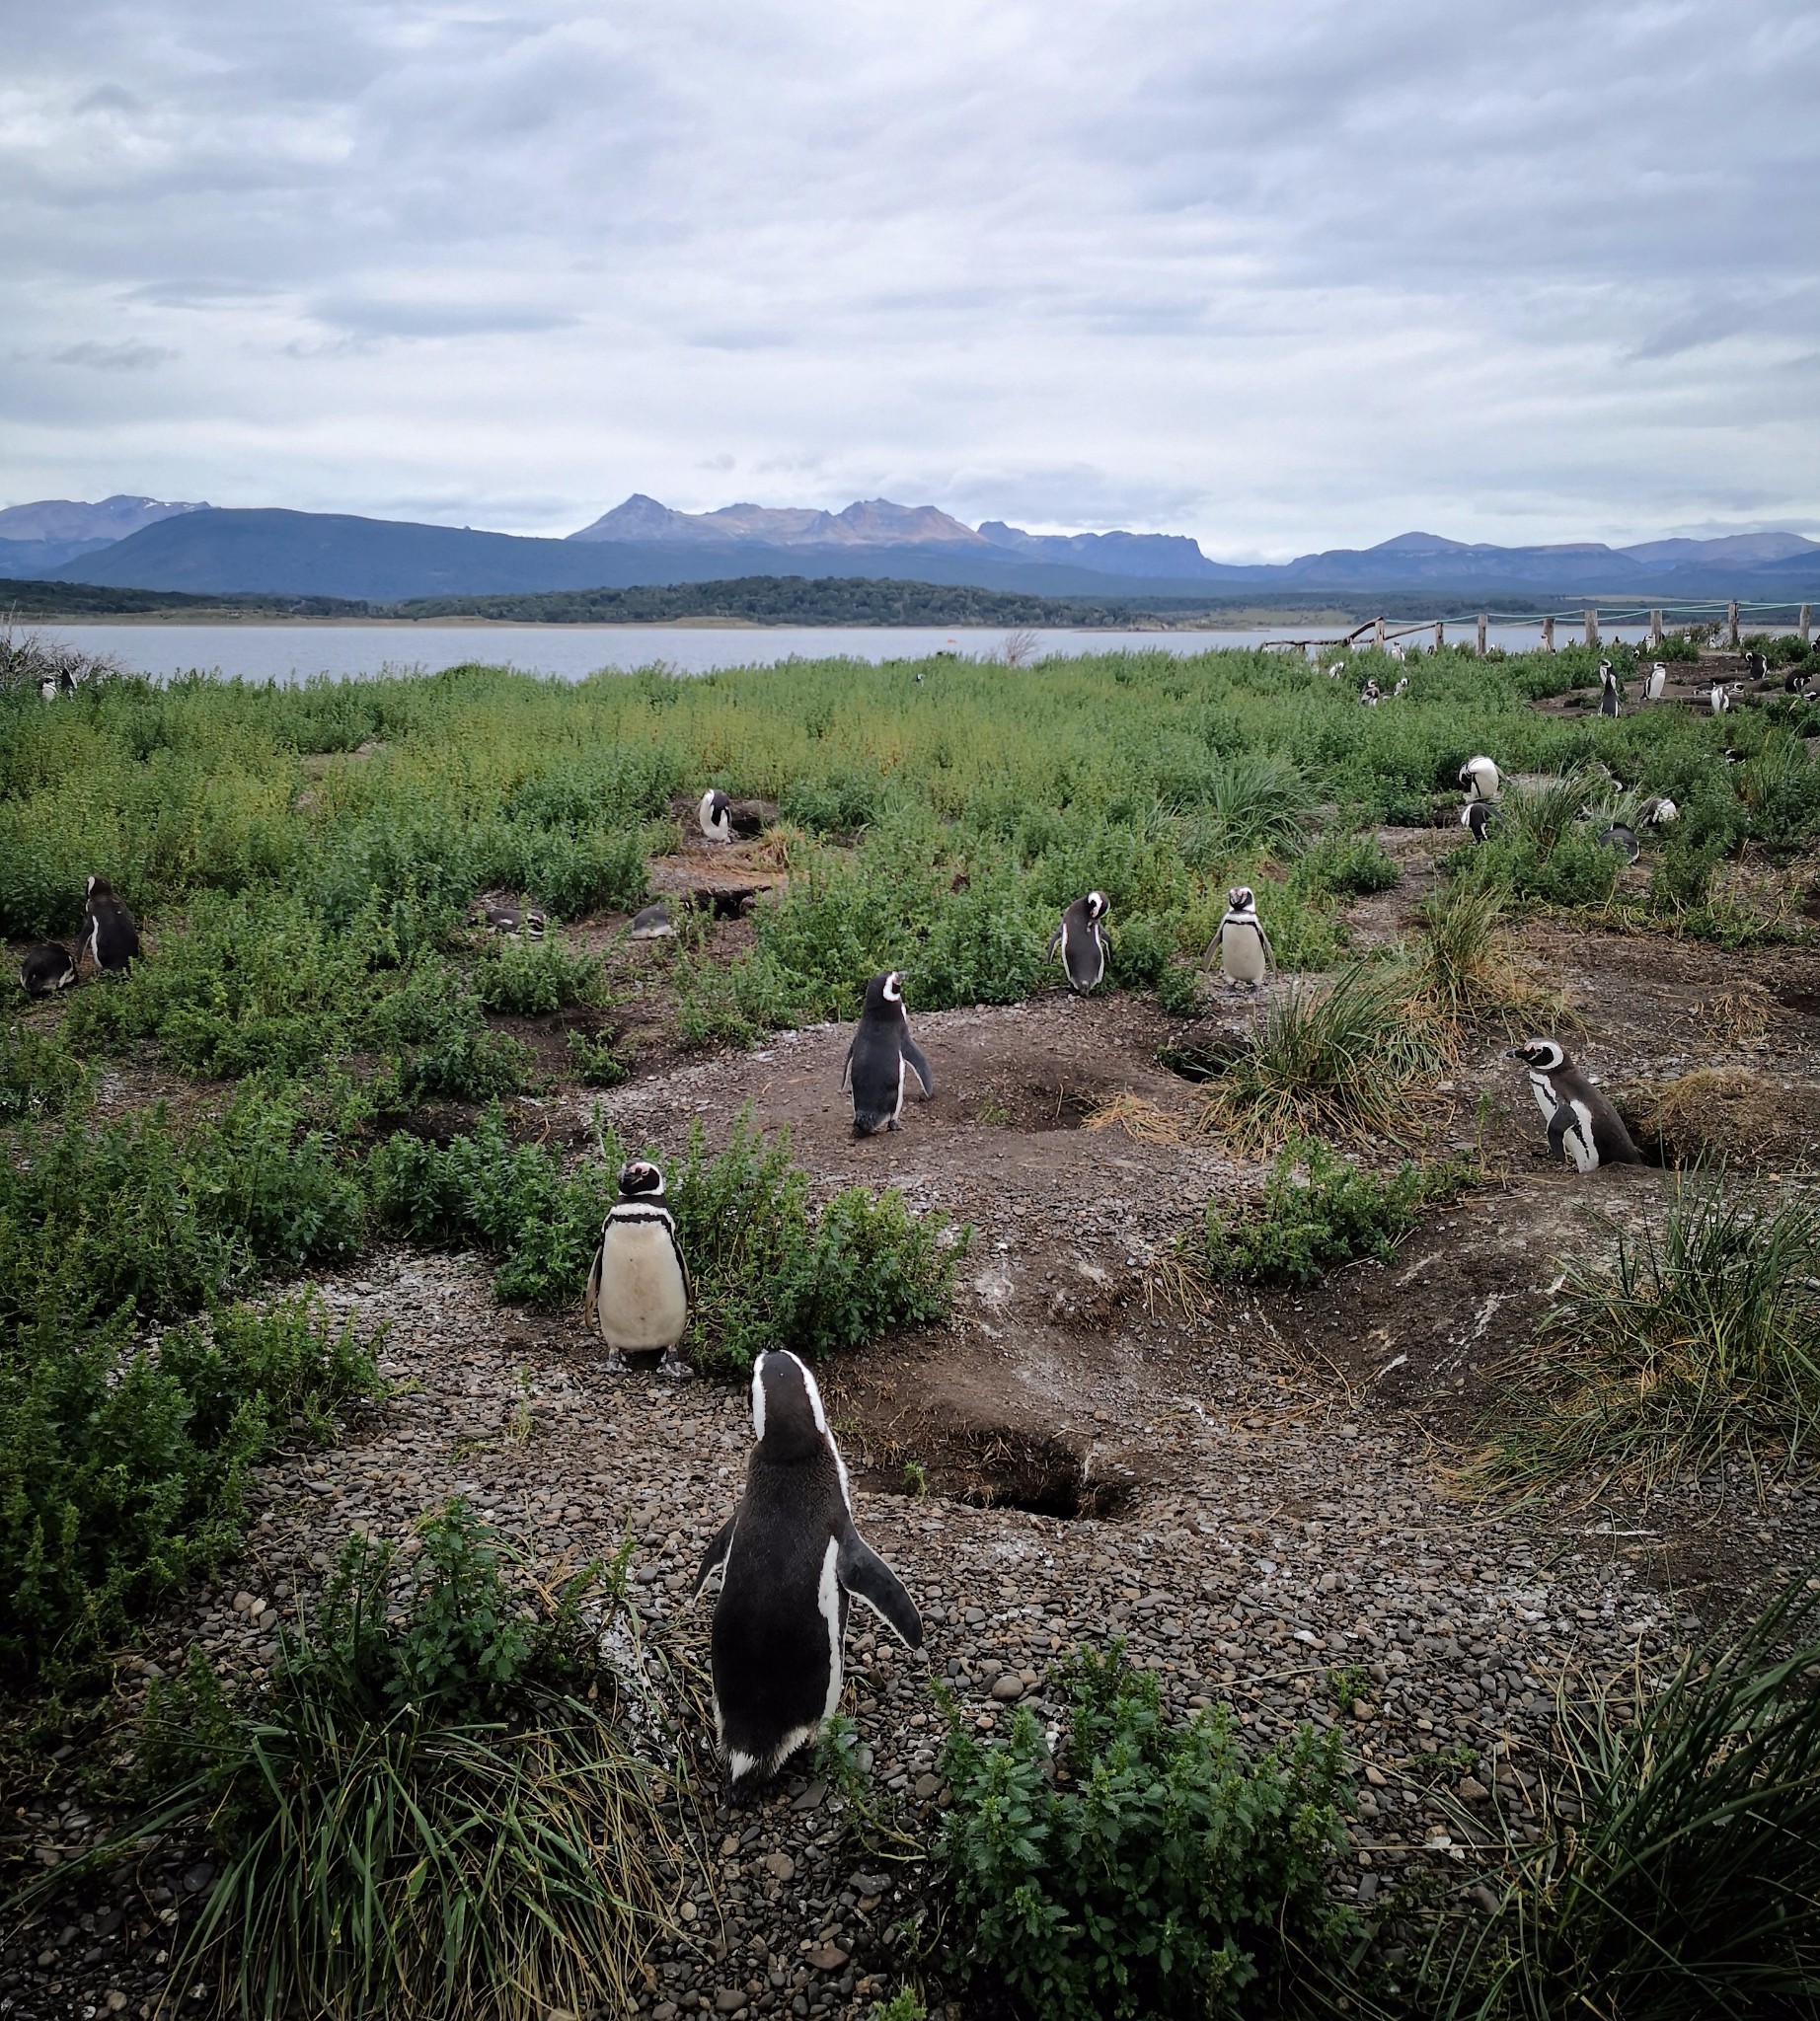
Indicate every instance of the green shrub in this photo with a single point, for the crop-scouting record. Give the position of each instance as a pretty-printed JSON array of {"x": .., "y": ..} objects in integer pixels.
[
  {"x": 39, "y": 1075},
  {"x": 1346, "y": 867},
  {"x": 1148, "y": 1870},
  {"x": 594, "y": 1061},
  {"x": 1318, "y": 1210},
  {"x": 436, "y": 1809},
  {"x": 122, "y": 1470},
  {"x": 535, "y": 977}
]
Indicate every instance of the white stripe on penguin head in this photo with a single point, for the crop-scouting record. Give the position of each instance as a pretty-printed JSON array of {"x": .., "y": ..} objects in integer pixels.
[{"x": 758, "y": 1400}]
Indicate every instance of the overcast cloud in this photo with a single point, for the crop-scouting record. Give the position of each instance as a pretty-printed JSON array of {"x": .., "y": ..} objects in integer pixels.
[{"x": 1279, "y": 273}]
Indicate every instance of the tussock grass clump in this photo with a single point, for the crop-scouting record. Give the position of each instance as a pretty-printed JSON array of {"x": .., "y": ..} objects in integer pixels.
[
  {"x": 1143, "y": 1869},
  {"x": 1330, "y": 1059},
  {"x": 1320, "y": 1211},
  {"x": 1715, "y": 1115},
  {"x": 1465, "y": 971},
  {"x": 434, "y": 1811},
  {"x": 1688, "y": 1885},
  {"x": 1251, "y": 801},
  {"x": 1701, "y": 1342}
]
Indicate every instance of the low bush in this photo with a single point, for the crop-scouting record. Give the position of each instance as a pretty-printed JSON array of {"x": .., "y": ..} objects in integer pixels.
[
  {"x": 434, "y": 1811},
  {"x": 122, "y": 1470},
  {"x": 1699, "y": 1343},
  {"x": 1346, "y": 867},
  {"x": 1143, "y": 1871},
  {"x": 535, "y": 977},
  {"x": 1319, "y": 1210},
  {"x": 40, "y": 1078}
]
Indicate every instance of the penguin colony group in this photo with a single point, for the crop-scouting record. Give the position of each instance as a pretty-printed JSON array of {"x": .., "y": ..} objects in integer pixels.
[{"x": 111, "y": 941}]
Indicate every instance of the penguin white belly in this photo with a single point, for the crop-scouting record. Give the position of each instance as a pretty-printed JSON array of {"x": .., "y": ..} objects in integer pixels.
[
  {"x": 1241, "y": 953},
  {"x": 643, "y": 1306}
]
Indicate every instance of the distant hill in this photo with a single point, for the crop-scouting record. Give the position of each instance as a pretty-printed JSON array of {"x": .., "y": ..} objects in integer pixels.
[{"x": 43, "y": 535}]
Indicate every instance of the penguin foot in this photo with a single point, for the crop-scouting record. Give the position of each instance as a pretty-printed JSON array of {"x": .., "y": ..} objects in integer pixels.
[
  {"x": 676, "y": 1369},
  {"x": 616, "y": 1363}
]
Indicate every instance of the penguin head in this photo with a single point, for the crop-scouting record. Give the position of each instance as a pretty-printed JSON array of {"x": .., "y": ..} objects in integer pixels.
[
  {"x": 1097, "y": 907},
  {"x": 890, "y": 988},
  {"x": 99, "y": 887},
  {"x": 788, "y": 1419},
  {"x": 1540, "y": 1053},
  {"x": 641, "y": 1180},
  {"x": 1240, "y": 899}
]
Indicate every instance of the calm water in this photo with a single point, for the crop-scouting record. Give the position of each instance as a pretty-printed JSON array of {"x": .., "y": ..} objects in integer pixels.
[{"x": 294, "y": 652}]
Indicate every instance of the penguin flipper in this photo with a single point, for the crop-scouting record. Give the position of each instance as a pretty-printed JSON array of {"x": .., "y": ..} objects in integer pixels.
[
  {"x": 846, "y": 1063},
  {"x": 682, "y": 1264},
  {"x": 590, "y": 1299},
  {"x": 867, "y": 1576},
  {"x": 715, "y": 1556},
  {"x": 1055, "y": 940},
  {"x": 919, "y": 1066}
]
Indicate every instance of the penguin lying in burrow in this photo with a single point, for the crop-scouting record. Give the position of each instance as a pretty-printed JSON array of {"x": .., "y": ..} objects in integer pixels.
[
  {"x": 515, "y": 920},
  {"x": 1620, "y": 838},
  {"x": 790, "y": 1560},
  {"x": 46, "y": 968},
  {"x": 1583, "y": 1126},
  {"x": 654, "y": 922},
  {"x": 639, "y": 1295},
  {"x": 1082, "y": 942},
  {"x": 723, "y": 819},
  {"x": 1245, "y": 946},
  {"x": 882, "y": 1050},
  {"x": 113, "y": 939}
]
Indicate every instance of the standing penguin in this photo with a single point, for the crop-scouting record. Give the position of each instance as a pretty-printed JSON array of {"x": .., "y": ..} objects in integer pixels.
[
  {"x": 1083, "y": 943},
  {"x": 791, "y": 1558},
  {"x": 46, "y": 968},
  {"x": 113, "y": 939},
  {"x": 1718, "y": 698},
  {"x": 1371, "y": 694},
  {"x": 1657, "y": 681},
  {"x": 1401, "y": 686},
  {"x": 638, "y": 1293},
  {"x": 1481, "y": 779},
  {"x": 1610, "y": 693},
  {"x": 1245, "y": 946},
  {"x": 1581, "y": 1122},
  {"x": 1658, "y": 810},
  {"x": 1481, "y": 816},
  {"x": 716, "y": 815},
  {"x": 881, "y": 1048}
]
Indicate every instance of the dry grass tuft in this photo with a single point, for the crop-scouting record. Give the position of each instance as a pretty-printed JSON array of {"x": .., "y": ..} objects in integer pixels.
[
  {"x": 1468, "y": 972},
  {"x": 1146, "y": 1121},
  {"x": 1740, "y": 1016},
  {"x": 1715, "y": 1113}
]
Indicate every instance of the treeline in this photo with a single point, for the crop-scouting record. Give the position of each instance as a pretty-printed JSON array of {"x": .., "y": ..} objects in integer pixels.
[{"x": 30, "y": 599}]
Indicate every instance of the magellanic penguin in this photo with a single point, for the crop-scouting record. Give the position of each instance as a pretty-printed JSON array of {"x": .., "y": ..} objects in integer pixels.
[
  {"x": 1083, "y": 943},
  {"x": 46, "y": 968},
  {"x": 723, "y": 819},
  {"x": 513, "y": 921},
  {"x": 1718, "y": 698},
  {"x": 1610, "y": 693},
  {"x": 791, "y": 1558},
  {"x": 1401, "y": 686},
  {"x": 1244, "y": 947},
  {"x": 654, "y": 922},
  {"x": 1591, "y": 1132},
  {"x": 1481, "y": 816},
  {"x": 1657, "y": 681},
  {"x": 1371, "y": 694},
  {"x": 1658, "y": 810},
  {"x": 113, "y": 939},
  {"x": 638, "y": 1293},
  {"x": 1479, "y": 776},
  {"x": 882, "y": 1049},
  {"x": 1620, "y": 838}
]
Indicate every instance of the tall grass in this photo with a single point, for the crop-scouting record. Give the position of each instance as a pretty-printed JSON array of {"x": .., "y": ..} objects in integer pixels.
[
  {"x": 1701, "y": 1343},
  {"x": 1466, "y": 972}
]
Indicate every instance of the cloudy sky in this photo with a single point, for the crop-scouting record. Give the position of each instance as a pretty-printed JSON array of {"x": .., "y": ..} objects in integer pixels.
[{"x": 1281, "y": 273}]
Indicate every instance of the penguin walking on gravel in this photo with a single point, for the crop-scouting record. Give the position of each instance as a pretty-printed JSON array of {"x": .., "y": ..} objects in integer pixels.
[
  {"x": 46, "y": 968},
  {"x": 1245, "y": 946},
  {"x": 880, "y": 1051},
  {"x": 1082, "y": 942},
  {"x": 639, "y": 1295},
  {"x": 1610, "y": 694},
  {"x": 1479, "y": 776},
  {"x": 790, "y": 1559},
  {"x": 1582, "y": 1124},
  {"x": 113, "y": 939},
  {"x": 1480, "y": 817}
]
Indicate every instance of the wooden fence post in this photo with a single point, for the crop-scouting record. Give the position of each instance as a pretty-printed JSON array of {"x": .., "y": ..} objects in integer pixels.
[
  {"x": 1592, "y": 626},
  {"x": 1731, "y": 623},
  {"x": 1440, "y": 635},
  {"x": 1482, "y": 620},
  {"x": 1656, "y": 630},
  {"x": 1803, "y": 625},
  {"x": 1548, "y": 634},
  {"x": 1377, "y": 636}
]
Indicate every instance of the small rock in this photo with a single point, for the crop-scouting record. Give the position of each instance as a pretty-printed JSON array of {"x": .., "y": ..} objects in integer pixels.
[
  {"x": 197, "y": 1877},
  {"x": 729, "y": 2000},
  {"x": 779, "y": 1867},
  {"x": 873, "y": 1884},
  {"x": 811, "y": 1796},
  {"x": 1474, "y": 1791},
  {"x": 1374, "y": 1775},
  {"x": 1008, "y": 1687},
  {"x": 117, "y": 2000},
  {"x": 826, "y": 1958},
  {"x": 926, "y": 1787}
]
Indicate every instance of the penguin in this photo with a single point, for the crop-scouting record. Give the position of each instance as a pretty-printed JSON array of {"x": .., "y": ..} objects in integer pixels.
[
  {"x": 1337, "y": 669},
  {"x": 511, "y": 920},
  {"x": 46, "y": 968},
  {"x": 1481, "y": 816},
  {"x": 47, "y": 688},
  {"x": 638, "y": 1293},
  {"x": 1621, "y": 839},
  {"x": 1658, "y": 811},
  {"x": 113, "y": 939},
  {"x": 1401, "y": 686},
  {"x": 790, "y": 1560},
  {"x": 1371, "y": 694},
  {"x": 1083, "y": 943},
  {"x": 1755, "y": 666},
  {"x": 881, "y": 1048},
  {"x": 1719, "y": 698},
  {"x": 1245, "y": 946},
  {"x": 1481, "y": 779},
  {"x": 654, "y": 924},
  {"x": 1559, "y": 1085},
  {"x": 1609, "y": 690},
  {"x": 1393, "y": 651},
  {"x": 1658, "y": 683},
  {"x": 1793, "y": 681},
  {"x": 722, "y": 819}
]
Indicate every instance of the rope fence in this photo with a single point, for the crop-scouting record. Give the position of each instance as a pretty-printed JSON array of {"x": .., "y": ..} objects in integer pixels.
[{"x": 1726, "y": 615}]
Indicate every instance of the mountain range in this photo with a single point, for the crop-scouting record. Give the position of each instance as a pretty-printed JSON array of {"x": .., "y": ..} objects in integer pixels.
[{"x": 136, "y": 543}]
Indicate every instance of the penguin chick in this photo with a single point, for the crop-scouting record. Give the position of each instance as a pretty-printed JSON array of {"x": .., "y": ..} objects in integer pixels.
[
  {"x": 1082, "y": 942},
  {"x": 1479, "y": 776},
  {"x": 790, "y": 1560},
  {"x": 1558, "y": 1084},
  {"x": 46, "y": 968},
  {"x": 113, "y": 939},
  {"x": 882, "y": 1049},
  {"x": 1481, "y": 816},
  {"x": 1244, "y": 947},
  {"x": 638, "y": 1293}
]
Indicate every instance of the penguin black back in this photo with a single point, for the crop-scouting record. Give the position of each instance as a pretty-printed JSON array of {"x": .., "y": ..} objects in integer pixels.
[
  {"x": 882, "y": 1050},
  {"x": 112, "y": 937},
  {"x": 46, "y": 968}
]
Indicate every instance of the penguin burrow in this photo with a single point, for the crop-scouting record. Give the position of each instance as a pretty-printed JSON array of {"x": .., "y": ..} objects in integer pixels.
[
  {"x": 1582, "y": 1124},
  {"x": 789, "y": 1559},
  {"x": 880, "y": 1051},
  {"x": 1081, "y": 940},
  {"x": 1245, "y": 946},
  {"x": 112, "y": 937},
  {"x": 639, "y": 1295}
]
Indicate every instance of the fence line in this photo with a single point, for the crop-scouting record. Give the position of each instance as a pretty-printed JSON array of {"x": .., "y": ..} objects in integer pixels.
[{"x": 1727, "y": 613}]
